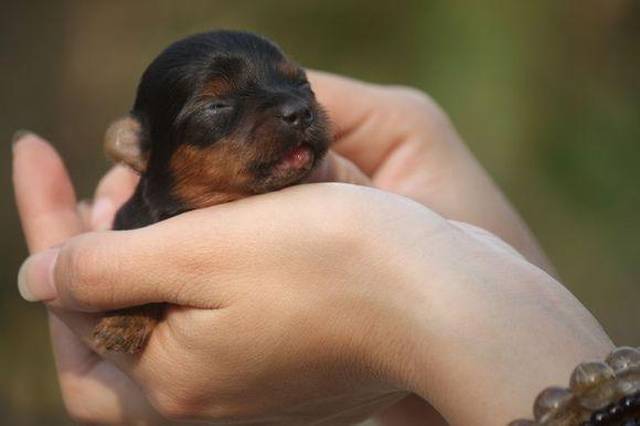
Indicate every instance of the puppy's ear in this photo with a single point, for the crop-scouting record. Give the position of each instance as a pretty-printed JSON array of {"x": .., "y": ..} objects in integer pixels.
[{"x": 122, "y": 144}]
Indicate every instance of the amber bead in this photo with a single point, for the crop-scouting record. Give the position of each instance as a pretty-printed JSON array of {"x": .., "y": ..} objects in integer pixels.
[
  {"x": 550, "y": 402},
  {"x": 624, "y": 358}
]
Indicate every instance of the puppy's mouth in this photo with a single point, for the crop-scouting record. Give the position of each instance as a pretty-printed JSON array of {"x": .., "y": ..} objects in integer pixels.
[
  {"x": 290, "y": 167},
  {"x": 297, "y": 159}
]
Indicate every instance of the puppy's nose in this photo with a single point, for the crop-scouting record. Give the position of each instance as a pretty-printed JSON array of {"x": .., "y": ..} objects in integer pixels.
[{"x": 296, "y": 113}]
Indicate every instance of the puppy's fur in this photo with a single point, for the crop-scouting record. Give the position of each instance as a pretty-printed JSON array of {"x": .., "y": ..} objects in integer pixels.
[{"x": 218, "y": 116}]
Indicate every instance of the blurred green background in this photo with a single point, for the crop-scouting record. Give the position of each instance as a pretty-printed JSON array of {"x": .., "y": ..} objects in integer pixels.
[{"x": 546, "y": 93}]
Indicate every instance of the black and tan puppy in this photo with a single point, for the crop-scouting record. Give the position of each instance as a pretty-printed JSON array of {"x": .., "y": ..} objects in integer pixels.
[{"x": 218, "y": 116}]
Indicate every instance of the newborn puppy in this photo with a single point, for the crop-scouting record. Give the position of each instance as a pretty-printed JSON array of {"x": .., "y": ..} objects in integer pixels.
[{"x": 218, "y": 116}]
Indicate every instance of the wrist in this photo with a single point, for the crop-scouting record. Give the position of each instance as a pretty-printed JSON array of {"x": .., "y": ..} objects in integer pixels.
[{"x": 486, "y": 328}]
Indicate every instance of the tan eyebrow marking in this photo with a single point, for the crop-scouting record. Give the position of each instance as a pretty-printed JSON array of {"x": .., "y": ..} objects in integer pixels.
[{"x": 218, "y": 86}]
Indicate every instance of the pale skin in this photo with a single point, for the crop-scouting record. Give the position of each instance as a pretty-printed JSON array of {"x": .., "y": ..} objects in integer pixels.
[{"x": 320, "y": 302}]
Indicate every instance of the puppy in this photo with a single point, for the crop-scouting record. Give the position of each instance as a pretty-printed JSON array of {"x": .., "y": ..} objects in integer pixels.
[{"x": 218, "y": 116}]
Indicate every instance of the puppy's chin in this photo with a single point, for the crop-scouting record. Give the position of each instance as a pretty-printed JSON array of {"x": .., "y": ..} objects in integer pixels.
[
  {"x": 293, "y": 165},
  {"x": 287, "y": 157}
]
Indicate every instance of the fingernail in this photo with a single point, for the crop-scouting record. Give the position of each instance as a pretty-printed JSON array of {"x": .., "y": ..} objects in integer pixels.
[
  {"x": 102, "y": 213},
  {"x": 19, "y": 134},
  {"x": 35, "y": 278}
]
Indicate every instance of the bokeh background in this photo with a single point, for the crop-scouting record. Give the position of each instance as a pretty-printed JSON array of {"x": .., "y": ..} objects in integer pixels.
[{"x": 546, "y": 93}]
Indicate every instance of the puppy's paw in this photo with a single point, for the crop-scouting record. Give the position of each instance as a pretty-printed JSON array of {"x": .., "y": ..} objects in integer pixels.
[{"x": 124, "y": 331}]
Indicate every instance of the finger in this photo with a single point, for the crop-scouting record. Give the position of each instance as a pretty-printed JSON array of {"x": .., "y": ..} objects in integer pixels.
[
  {"x": 118, "y": 184},
  {"x": 102, "y": 271},
  {"x": 348, "y": 101},
  {"x": 84, "y": 209},
  {"x": 351, "y": 105},
  {"x": 46, "y": 203},
  {"x": 114, "y": 189},
  {"x": 370, "y": 121},
  {"x": 81, "y": 325},
  {"x": 44, "y": 195},
  {"x": 336, "y": 168}
]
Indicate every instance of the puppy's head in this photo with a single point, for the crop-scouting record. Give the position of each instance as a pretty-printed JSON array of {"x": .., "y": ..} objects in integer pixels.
[{"x": 220, "y": 116}]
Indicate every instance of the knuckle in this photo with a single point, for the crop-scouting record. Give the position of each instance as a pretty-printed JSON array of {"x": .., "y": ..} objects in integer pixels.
[
  {"x": 347, "y": 210},
  {"x": 77, "y": 400},
  {"x": 174, "y": 407},
  {"x": 80, "y": 414},
  {"x": 180, "y": 402},
  {"x": 166, "y": 405}
]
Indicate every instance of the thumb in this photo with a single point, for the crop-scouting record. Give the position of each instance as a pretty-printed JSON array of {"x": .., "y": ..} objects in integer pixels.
[
  {"x": 114, "y": 189},
  {"x": 103, "y": 271},
  {"x": 336, "y": 168}
]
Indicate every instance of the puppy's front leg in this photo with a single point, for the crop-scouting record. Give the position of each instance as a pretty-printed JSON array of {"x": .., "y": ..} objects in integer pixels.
[{"x": 126, "y": 330}]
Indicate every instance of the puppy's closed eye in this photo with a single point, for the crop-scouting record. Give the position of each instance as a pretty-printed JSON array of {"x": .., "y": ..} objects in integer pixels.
[{"x": 220, "y": 106}]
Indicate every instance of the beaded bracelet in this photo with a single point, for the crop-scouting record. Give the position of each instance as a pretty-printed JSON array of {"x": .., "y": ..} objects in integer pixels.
[{"x": 600, "y": 393}]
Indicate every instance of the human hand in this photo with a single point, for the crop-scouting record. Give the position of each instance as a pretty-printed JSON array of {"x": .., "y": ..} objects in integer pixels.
[
  {"x": 324, "y": 311},
  {"x": 405, "y": 143},
  {"x": 94, "y": 389}
]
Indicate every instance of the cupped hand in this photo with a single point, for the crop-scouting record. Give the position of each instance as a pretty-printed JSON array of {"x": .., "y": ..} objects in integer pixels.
[
  {"x": 406, "y": 144},
  {"x": 273, "y": 310},
  {"x": 94, "y": 387},
  {"x": 323, "y": 312}
]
